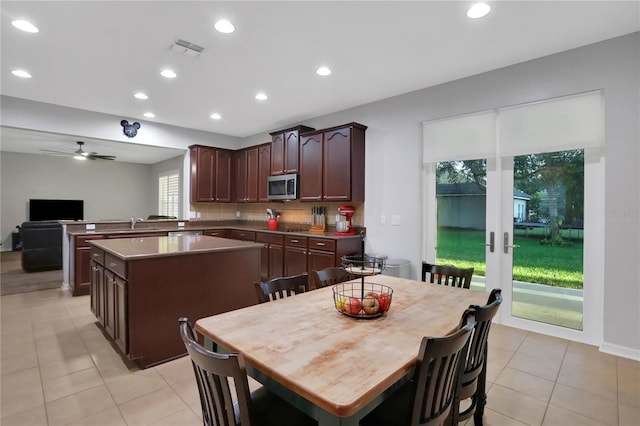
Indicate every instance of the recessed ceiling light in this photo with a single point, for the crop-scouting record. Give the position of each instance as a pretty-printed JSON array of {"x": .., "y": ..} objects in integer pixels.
[
  {"x": 168, "y": 73},
  {"x": 478, "y": 10},
  {"x": 21, "y": 73},
  {"x": 224, "y": 26},
  {"x": 261, "y": 97},
  {"x": 216, "y": 116},
  {"x": 141, "y": 95},
  {"x": 149, "y": 114},
  {"x": 25, "y": 26},
  {"x": 323, "y": 71}
]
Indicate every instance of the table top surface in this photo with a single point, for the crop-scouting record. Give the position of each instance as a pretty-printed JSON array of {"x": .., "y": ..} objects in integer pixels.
[
  {"x": 147, "y": 247},
  {"x": 337, "y": 362}
]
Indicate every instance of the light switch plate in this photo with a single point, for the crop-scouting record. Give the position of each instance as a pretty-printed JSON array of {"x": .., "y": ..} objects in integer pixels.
[
  {"x": 90, "y": 226},
  {"x": 383, "y": 219},
  {"x": 395, "y": 219}
]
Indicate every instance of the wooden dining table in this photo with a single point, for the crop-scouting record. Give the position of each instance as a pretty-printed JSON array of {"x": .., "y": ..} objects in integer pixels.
[{"x": 334, "y": 367}]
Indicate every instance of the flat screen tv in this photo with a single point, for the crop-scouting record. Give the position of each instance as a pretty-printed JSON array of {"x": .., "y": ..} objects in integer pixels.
[{"x": 56, "y": 209}]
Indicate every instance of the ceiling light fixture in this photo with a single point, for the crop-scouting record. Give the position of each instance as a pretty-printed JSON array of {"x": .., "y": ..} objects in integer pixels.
[
  {"x": 25, "y": 26},
  {"x": 478, "y": 10},
  {"x": 216, "y": 116},
  {"x": 261, "y": 97},
  {"x": 168, "y": 73},
  {"x": 79, "y": 157},
  {"x": 323, "y": 71},
  {"x": 224, "y": 26},
  {"x": 141, "y": 95},
  {"x": 149, "y": 115},
  {"x": 21, "y": 73}
]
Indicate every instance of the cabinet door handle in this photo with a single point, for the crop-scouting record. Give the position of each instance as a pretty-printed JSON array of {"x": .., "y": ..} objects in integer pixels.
[
  {"x": 95, "y": 255},
  {"x": 320, "y": 244},
  {"x": 295, "y": 241},
  {"x": 112, "y": 264}
]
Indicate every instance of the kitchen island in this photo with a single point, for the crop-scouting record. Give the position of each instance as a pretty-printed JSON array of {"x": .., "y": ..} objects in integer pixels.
[{"x": 141, "y": 286}]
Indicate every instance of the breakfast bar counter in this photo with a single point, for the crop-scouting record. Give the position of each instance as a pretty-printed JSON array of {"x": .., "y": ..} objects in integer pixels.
[{"x": 141, "y": 286}]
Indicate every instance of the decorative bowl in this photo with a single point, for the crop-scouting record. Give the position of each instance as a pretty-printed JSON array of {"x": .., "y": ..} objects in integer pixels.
[{"x": 362, "y": 299}]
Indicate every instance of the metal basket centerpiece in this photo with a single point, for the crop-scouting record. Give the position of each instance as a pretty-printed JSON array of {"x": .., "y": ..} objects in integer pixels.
[
  {"x": 362, "y": 299},
  {"x": 363, "y": 265}
]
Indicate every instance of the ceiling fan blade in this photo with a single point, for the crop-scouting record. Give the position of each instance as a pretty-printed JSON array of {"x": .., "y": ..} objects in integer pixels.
[
  {"x": 54, "y": 152},
  {"x": 95, "y": 156}
]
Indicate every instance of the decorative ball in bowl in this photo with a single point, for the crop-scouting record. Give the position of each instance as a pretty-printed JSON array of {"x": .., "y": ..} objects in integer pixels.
[
  {"x": 362, "y": 299},
  {"x": 363, "y": 265}
]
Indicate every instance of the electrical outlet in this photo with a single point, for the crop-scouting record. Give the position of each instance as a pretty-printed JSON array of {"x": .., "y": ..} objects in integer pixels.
[
  {"x": 237, "y": 213},
  {"x": 180, "y": 224},
  {"x": 383, "y": 219},
  {"x": 395, "y": 219},
  {"x": 90, "y": 226}
]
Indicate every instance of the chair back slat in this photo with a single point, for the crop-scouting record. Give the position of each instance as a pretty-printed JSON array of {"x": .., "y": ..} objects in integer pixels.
[
  {"x": 330, "y": 276},
  {"x": 279, "y": 288},
  {"x": 439, "y": 362},
  {"x": 213, "y": 371},
  {"x": 447, "y": 275},
  {"x": 475, "y": 360}
]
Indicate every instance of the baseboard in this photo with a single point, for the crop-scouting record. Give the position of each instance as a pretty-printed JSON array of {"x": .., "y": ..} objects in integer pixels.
[{"x": 621, "y": 351}]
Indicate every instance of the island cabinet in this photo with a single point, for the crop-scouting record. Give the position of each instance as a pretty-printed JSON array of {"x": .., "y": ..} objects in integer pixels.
[
  {"x": 271, "y": 255},
  {"x": 147, "y": 284},
  {"x": 81, "y": 270},
  {"x": 284, "y": 150},
  {"x": 332, "y": 164},
  {"x": 210, "y": 174}
]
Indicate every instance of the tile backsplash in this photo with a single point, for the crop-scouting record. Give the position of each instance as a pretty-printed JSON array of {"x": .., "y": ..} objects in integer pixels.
[{"x": 294, "y": 212}]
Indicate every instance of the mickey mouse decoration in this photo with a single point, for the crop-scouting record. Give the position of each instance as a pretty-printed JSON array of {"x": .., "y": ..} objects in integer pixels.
[{"x": 130, "y": 130}]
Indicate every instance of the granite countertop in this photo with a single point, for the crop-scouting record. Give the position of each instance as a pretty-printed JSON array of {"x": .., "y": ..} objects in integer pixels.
[
  {"x": 147, "y": 247},
  {"x": 112, "y": 228}
]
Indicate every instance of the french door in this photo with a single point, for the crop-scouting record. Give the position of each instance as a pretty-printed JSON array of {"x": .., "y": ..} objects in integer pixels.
[{"x": 526, "y": 224}]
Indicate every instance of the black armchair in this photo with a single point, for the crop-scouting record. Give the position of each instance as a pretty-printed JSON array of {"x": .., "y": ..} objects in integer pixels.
[{"x": 41, "y": 246}]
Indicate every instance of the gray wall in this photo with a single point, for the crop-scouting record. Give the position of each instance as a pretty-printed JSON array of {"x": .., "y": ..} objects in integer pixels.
[{"x": 110, "y": 189}]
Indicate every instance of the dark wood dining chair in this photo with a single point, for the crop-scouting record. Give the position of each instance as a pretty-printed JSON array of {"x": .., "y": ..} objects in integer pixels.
[
  {"x": 474, "y": 372},
  {"x": 279, "y": 288},
  {"x": 213, "y": 371},
  {"x": 448, "y": 275},
  {"x": 330, "y": 276},
  {"x": 427, "y": 399}
]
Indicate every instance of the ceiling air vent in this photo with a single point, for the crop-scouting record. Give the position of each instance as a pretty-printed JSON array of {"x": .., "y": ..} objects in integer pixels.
[{"x": 186, "y": 48}]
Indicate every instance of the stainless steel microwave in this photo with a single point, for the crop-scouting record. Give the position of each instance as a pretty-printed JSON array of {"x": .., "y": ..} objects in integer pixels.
[{"x": 283, "y": 187}]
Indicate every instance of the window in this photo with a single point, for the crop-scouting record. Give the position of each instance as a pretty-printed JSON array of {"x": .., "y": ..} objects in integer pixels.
[{"x": 169, "y": 194}]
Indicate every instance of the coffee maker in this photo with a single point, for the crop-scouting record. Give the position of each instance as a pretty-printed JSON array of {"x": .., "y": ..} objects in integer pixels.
[{"x": 343, "y": 221}]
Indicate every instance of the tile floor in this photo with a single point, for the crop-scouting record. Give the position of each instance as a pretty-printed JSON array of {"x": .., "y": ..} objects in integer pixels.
[{"x": 58, "y": 369}]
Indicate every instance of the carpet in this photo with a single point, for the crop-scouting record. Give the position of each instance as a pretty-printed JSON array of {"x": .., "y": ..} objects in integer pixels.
[{"x": 14, "y": 280}]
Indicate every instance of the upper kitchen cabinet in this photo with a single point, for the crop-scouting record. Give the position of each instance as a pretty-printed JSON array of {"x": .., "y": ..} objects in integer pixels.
[
  {"x": 252, "y": 166},
  {"x": 284, "y": 150},
  {"x": 332, "y": 164},
  {"x": 210, "y": 174}
]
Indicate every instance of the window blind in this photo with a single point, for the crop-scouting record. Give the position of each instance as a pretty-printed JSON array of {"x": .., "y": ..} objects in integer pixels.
[
  {"x": 466, "y": 137},
  {"x": 169, "y": 194},
  {"x": 570, "y": 122}
]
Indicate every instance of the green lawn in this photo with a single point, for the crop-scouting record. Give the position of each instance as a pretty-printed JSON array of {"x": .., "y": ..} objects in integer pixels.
[{"x": 533, "y": 262}]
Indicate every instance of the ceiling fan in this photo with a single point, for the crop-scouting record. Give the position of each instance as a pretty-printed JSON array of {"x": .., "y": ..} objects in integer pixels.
[{"x": 80, "y": 154}]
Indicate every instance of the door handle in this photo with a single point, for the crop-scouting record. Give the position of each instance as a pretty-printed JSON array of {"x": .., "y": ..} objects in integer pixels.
[
  {"x": 492, "y": 242},
  {"x": 506, "y": 243}
]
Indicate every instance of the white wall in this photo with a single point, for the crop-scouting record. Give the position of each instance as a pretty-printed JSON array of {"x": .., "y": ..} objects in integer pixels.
[
  {"x": 394, "y": 153},
  {"x": 110, "y": 189}
]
